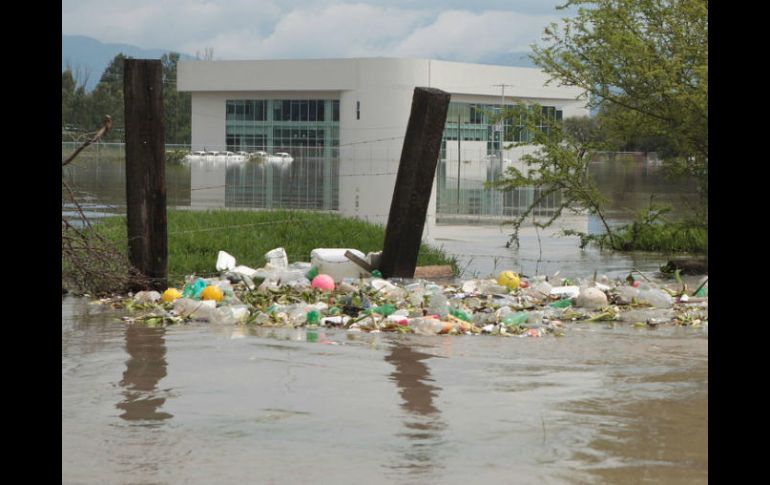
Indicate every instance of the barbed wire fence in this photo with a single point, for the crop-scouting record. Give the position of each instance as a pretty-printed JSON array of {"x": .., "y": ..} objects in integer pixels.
[
  {"x": 309, "y": 183},
  {"x": 90, "y": 263}
]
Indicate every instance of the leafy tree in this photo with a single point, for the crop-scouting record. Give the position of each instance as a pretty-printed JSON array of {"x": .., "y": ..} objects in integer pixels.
[
  {"x": 559, "y": 165},
  {"x": 87, "y": 110},
  {"x": 107, "y": 98},
  {"x": 645, "y": 62},
  {"x": 177, "y": 105},
  {"x": 67, "y": 97}
]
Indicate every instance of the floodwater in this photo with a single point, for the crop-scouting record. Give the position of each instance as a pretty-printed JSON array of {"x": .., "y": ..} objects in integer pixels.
[
  {"x": 204, "y": 404},
  {"x": 481, "y": 251}
]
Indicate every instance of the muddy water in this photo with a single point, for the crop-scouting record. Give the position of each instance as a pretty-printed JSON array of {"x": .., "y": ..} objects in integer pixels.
[{"x": 219, "y": 404}]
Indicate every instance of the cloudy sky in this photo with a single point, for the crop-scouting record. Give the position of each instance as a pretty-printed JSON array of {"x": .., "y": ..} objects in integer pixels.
[{"x": 461, "y": 30}]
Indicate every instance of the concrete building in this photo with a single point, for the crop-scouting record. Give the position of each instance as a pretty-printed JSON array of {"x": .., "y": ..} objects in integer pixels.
[{"x": 351, "y": 114}]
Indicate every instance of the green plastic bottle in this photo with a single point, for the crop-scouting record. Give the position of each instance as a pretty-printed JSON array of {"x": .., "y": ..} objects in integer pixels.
[
  {"x": 561, "y": 303},
  {"x": 312, "y": 317},
  {"x": 515, "y": 318},
  {"x": 459, "y": 314},
  {"x": 384, "y": 310}
]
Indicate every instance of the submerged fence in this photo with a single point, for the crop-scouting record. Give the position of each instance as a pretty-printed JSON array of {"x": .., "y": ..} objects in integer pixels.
[{"x": 312, "y": 180}]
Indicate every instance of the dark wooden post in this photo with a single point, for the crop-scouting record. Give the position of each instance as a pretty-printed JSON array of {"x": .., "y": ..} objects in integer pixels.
[
  {"x": 145, "y": 171},
  {"x": 414, "y": 182}
]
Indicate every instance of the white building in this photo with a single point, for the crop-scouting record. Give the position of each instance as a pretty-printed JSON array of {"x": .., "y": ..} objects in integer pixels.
[{"x": 356, "y": 111}]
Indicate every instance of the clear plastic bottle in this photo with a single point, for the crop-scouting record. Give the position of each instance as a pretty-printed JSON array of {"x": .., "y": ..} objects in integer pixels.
[
  {"x": 426, "y": 326},
  {"x": 437, "y": 305}
]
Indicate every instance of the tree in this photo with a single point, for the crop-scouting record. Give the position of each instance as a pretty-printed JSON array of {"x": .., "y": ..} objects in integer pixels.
[
  {"x": 559, "y": 165},
  {"x": 645, "y": 63},
  {"x": 87, "y": 110},
  {"x": 177, "y": 105},
  {"x": 107, "y": 98},
  {"x": 67, "y": 97}
]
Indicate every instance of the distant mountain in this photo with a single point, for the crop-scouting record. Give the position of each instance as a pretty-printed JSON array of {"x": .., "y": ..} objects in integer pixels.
[{"x": 89, "y": 55}]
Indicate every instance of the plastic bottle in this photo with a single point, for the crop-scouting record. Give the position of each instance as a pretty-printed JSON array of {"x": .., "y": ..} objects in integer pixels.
[
  {"x": 561, "y": 303},
  {"x": 384, "y": 310},
  {"x": 655, "y": 297},
  {"x": 460, "y": 314},
  {"x": 233, "y": 314},
  {"x": 312, "y": 317},
  {"x": 517, "y": 318},
  {"x": 416, "y": 296},
  {"x": 437, "y": 305},
  {"x": 426, "y": 326},
  {"x": 193, "y": 290}
]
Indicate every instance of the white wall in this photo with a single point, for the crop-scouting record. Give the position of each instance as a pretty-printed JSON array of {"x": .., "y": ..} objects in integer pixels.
[{"x": 370, "y": 147}]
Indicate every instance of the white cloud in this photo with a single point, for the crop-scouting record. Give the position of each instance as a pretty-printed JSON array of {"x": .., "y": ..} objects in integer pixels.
[
  {"x": 265, "y": 29},
  {"x": 463, "y": 35},
  {"x": 166, "y": 24},
  {"x": 333, "y": 31}
]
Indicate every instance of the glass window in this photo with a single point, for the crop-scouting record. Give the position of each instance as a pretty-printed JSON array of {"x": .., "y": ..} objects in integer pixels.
[
  {"x": 313, "y": 110},
  {"x": 303, "y": 110},
  {"x": 321, "y": 105},
  {"x": 286, "y": 110},
  {"x": 335, "y": 110},
  {"x": 248, "y": 110}
]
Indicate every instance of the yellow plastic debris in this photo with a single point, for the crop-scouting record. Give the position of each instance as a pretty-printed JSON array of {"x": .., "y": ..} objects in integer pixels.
[
  {"x": 171, "y": 294},
  {"x": 509, "y": 279},
  {"x": 212, "y": 293}
]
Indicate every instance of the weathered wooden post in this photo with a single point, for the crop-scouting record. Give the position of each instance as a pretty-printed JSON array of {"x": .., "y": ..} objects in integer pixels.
[
  {"x": 145, "y": 171},
  {"x": 414, "y": 182}
]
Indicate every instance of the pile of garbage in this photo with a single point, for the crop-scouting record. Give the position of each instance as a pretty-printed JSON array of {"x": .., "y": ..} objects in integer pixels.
[{"x": 335, "y": 291}]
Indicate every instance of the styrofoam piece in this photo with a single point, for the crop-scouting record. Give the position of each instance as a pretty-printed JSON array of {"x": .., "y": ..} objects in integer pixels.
[
  {"x": 277, "y": 257},
  {"x": 332, "y": 261},
  {"x": 565, "y": 291},
  {"x": 245, "y": 270},
  {"x": 225, "y": 261}
]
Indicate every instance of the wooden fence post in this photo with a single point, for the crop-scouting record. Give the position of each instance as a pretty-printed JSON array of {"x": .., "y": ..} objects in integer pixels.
[
  {"x": 414, "y": 182},
  {"x": 145, "y": 171}
]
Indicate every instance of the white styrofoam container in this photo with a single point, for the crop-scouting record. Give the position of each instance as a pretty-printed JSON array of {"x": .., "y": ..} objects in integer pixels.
[{"x": 332, "y": 261}]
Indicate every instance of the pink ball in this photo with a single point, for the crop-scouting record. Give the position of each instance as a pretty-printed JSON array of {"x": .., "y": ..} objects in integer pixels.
[{"x": 324, "y": 282}]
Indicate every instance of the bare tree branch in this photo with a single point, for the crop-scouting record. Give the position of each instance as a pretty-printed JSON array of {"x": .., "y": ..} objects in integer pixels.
[{"x": 102, "y": 131}]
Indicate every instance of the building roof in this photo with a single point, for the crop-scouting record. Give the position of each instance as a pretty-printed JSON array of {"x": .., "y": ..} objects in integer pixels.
[{"x": 367, "y": 73}]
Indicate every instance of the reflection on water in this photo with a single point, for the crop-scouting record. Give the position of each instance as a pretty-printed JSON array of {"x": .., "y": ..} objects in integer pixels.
[
  {"x": 422, "y": 421},
  {"x": 99, "y": 177},
  {"x": 604, "y": 404},
  {"x": 629, "y": 185},
  {"x": 145, "y": 368}
]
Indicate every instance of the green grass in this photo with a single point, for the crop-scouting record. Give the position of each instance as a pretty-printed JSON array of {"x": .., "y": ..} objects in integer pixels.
[
  {"x": 664, "y": 237},
  {"x": 195, "y": 237},
  {"x": 670, "y": 237}
]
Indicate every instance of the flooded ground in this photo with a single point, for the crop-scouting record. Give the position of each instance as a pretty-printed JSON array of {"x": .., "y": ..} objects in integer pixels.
[
  {"x": 204, "y": 403},
  {"x": 210, "y": 404},
  {"x": 481, "y": 251}
]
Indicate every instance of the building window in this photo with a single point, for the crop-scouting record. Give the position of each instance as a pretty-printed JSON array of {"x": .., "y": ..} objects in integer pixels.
[
  {"x": 358, "y": 110},
  {"x": 298, "y": 126}
]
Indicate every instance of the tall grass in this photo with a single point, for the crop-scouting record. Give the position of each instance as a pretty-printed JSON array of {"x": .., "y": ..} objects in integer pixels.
[{"x": 195, "y": 237}]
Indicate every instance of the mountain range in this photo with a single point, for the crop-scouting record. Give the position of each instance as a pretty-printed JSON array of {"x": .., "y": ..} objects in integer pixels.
[{"x": 88, "y": 57}]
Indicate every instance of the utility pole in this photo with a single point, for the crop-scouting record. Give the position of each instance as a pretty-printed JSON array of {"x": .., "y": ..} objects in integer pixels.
[
  {"x": 459, "y": 157},
  {"x": 502, "y": 107}
]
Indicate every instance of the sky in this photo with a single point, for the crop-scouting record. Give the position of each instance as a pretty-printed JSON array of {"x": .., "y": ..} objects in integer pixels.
[{"x": 459, "y": 30}]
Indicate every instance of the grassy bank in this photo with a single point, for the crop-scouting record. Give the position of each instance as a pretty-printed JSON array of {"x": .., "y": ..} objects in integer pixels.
[
  {"x": 664, "y": 237},
  {"x": 195, "y": 237}
]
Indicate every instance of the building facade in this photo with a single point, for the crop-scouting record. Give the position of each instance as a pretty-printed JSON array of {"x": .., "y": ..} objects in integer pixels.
[{"x": 351, "y": 115}]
